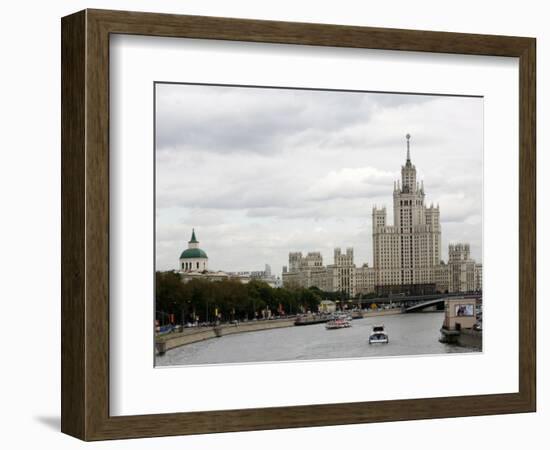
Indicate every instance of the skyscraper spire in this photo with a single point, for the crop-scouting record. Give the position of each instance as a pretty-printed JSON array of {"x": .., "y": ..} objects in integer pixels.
[{"x": 408, "y": 136}]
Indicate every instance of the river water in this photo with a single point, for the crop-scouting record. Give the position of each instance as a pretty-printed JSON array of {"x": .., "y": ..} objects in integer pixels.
[{"x": 409, "y": 334}]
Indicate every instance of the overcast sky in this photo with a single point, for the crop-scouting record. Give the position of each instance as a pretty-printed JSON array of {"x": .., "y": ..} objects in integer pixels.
[{"x": 262, "y": 172}]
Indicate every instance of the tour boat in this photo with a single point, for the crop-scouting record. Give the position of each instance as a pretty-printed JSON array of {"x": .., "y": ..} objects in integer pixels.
[
  {"x": 337, "y": 323},
  {"x": 378, "y": 335},
  {"x": 311, "y": 319}
]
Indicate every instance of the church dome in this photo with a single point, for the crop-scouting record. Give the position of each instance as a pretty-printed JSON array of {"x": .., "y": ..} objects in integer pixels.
[{"x": 193, "y": 253}]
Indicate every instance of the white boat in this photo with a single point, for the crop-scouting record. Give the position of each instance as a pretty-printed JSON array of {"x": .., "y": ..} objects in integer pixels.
[
  {"x": 338, "y": 323},
  {"x": 378, "y": 335}
]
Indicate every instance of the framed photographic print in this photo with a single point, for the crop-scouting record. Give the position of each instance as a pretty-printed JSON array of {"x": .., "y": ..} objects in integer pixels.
[{"x": 273, "y": 225}]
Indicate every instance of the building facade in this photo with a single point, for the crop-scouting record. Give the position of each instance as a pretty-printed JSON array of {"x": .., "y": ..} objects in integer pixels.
[
  {"x": 461, "y": 273},
  {"x": 307, "y": 271},
  {"x": 193, "y": 265},
  {"x": 261, "y": 275},
  {"x": 406, "y": 254}
]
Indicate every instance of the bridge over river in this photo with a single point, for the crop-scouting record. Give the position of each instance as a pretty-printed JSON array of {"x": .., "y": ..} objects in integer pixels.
[{"x": 417, "y": 303}]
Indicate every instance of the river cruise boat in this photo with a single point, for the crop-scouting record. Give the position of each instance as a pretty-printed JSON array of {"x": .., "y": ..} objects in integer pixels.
[
  {"x": 337, "y": 323},
  {"x": 311, "y": 319},
  {"x": 378, "y": 335}
]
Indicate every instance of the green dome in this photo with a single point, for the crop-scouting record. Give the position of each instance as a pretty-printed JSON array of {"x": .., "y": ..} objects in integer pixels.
[{"x": 193, "y": 253}]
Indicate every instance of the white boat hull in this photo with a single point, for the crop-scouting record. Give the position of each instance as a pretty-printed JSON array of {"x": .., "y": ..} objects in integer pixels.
[
  {"x": 378, "y": 341},
  {"x": 378, "y": 338}
]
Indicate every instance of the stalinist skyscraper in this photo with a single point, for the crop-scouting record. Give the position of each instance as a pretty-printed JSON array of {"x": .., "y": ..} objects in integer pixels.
[
  {"x": 407, "y": 252},
  {"x": 406, "y": 255}
]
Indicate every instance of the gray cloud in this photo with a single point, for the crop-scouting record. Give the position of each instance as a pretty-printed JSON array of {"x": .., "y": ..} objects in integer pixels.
[
  {"x": 261, "y": 172},
  {"x": 258, "y": 120}
]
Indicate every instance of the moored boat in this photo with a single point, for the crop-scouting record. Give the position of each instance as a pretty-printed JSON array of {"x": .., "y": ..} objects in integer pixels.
[{"x": 311, "y": 319}]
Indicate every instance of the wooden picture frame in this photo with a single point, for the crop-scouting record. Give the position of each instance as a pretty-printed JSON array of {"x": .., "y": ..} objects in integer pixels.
[{"x": 85, "y": 224}]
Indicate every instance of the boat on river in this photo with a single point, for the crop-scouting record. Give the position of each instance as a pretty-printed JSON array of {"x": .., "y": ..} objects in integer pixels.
[
  {"x": 337, "y": 323},
  {"x": 311, "y": 319},
  {"x": 378, "y": 335}
]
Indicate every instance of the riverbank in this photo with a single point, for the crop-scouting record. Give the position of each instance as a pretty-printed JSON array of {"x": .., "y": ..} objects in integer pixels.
[{"x": 191, "y": 335}]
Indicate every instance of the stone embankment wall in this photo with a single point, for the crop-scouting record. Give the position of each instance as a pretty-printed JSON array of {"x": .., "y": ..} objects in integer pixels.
[
  {"x": 191, "y": 335},
  {"x": 382, "y": 312},
  {"x": 470, "y": 338}
]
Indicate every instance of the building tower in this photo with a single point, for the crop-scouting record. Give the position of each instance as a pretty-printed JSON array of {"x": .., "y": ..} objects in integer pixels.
[
  {"x": 407, "y": 252},
  {"x": 193, "y": 259},
  {"x": 344, "y": 271}
]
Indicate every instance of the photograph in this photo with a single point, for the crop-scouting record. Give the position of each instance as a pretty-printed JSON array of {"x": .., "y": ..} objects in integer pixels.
[
  {"x": 298, "y": 224},
  {"x": 464, "y": 310},
  {"x": 275, "y": 225}
]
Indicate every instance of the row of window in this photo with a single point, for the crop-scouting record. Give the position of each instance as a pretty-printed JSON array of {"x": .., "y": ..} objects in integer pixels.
[{"x": 189, "y": 266}]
